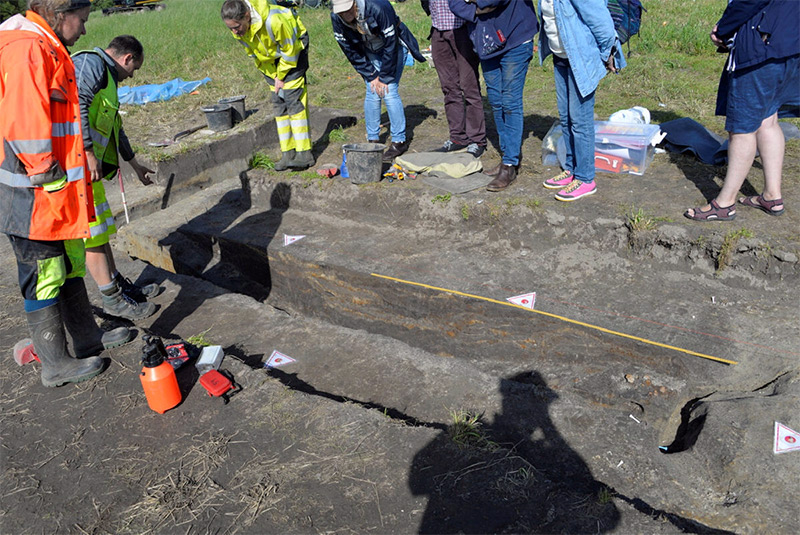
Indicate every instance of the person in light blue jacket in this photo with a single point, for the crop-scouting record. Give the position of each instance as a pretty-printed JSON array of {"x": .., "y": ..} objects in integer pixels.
[{"x": 581, "y": 37}]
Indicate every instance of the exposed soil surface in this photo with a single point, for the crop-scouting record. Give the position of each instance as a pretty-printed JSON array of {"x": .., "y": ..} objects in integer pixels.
[{"x": 649, "y": 331}]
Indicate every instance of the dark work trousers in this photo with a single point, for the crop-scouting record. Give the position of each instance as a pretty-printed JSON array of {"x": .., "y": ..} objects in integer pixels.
[{"x": 457, "y": 65}]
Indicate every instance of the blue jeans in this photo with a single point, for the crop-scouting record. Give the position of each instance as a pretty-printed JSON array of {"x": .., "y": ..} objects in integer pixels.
[
  {"x": 505, "y": 78},
  {"x": 394, "y": 106},
  {"x": 577, "y": 122}
]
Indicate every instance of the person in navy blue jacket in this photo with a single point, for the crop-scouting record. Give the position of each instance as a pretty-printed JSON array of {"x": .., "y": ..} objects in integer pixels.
[
  {"x": 502, "y": 32},
  {"x": 373, "y": 39},
  {"x": 761, "y": 76}
]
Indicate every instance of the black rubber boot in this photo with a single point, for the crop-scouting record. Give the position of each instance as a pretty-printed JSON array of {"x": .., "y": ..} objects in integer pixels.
[
  {"x": 302, "y": 160},
  {"x": 116, "y": 303},
  {"x": 286, "y": 159},
  {"x": 138, "y": 293},
  {"x": 86, "y": 336},
  {"x": 58, "y": 367}
]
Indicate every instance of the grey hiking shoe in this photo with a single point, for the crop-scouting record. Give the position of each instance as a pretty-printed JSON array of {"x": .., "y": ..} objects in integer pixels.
[{"x": 120, "y": 305}]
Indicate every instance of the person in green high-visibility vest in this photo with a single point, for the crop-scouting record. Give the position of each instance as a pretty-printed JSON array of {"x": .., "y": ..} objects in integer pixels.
[{"x": 98, "y": 73}]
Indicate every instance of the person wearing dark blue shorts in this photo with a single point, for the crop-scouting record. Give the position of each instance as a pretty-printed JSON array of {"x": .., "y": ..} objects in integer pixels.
[{"x": 761, "y": 76}]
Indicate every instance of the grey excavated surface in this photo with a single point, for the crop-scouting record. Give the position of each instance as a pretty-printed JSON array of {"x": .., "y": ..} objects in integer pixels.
[
  {"x": 351, "y": 437},
  {"x": 236, "y": 239}
]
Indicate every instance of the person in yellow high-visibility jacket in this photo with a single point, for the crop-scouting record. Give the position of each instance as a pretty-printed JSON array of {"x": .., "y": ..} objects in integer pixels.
[{"x": 277, "y": 41}]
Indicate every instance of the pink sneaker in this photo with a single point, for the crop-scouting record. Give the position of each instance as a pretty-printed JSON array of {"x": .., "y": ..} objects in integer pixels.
[
  {"x": 559, "y": 181},
  {"x": 576, "y": 190}
]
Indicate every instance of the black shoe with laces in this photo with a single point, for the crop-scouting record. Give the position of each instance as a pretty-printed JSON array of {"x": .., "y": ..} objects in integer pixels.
[
  {"x": 450, "y": 146},
  {"x": 476, "y": 150}
]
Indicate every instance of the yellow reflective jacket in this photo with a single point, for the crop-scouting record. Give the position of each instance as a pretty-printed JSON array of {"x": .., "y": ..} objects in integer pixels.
[{"x": 273, "y": 39}]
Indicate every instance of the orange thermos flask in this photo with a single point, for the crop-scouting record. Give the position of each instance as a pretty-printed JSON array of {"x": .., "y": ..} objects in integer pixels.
[{"x": 158, "y": 376}]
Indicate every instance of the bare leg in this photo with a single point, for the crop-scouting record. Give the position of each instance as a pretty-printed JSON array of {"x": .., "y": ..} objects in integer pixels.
[
  {"x": 741, "y": 153},
  {"x": 100, "y": 263},
  {"x": 771, "y": 145}
]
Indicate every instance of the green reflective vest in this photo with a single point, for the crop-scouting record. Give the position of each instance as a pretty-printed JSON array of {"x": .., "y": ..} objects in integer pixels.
[{"x": 104, "y": 121}]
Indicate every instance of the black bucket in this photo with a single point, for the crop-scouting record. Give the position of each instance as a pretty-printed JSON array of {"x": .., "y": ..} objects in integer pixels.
[
  {"x": 219, "y": 117},
  {"x": 364, "y": 161},
  {"x": 237, "y": 103}
]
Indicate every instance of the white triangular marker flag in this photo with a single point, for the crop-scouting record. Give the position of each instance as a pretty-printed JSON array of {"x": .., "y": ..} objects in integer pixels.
[
  {"x": 278, "y": 359},
  {"x": 524, "y": 300},
  {"x": 291, "y": 239},
  {"x": 785, "y": 439}
]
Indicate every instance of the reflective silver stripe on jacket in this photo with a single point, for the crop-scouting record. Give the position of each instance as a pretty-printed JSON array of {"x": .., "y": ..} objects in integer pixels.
[
  {"x": 98, "y": 138},
  {"x": 20, "y": 180},
  {"x": 66, "y": 129},
  {"x": 31, "y": 146}
]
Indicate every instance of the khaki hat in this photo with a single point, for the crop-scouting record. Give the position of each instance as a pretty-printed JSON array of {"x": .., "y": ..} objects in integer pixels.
[{"x": 340, "y": 6}]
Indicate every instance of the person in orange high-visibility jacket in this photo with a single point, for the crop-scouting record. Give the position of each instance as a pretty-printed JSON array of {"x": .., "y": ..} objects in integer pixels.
[
  {"x": 277, "y": 41},
  {"x": 45, "y": 194}
]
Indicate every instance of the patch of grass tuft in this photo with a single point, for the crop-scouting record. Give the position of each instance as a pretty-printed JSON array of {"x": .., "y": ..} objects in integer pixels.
[
  {"x": 260, "y": 160},
  {"x": 443, "y": 199},
  {"x": 605, "y": 495},
  {"x": 729, "y": 243},
  {"x": 466, "y": 430},
  {"x": 639, "y": 220},
  {"x": 337, "y": 135},
  {"x": 200, "y": 340},
  {"x": 465, "y": 212}
]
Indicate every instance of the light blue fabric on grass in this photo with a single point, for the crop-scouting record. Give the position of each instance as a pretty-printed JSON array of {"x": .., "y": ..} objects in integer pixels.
[{"x": 158, "y": 92}]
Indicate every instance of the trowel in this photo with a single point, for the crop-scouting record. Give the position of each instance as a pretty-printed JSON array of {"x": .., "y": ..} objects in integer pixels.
[{"x": 183, "y": 133}]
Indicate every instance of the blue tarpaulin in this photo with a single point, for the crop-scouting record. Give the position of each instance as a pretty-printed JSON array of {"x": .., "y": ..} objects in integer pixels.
[{"x": 158, "y": 92}]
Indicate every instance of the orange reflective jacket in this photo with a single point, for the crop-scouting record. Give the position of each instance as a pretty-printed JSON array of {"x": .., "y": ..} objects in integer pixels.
[{"x": 39, "y": 126}]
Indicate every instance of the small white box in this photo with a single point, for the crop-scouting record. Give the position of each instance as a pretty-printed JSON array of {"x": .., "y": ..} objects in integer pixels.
[{"x": 210, "y": 359}]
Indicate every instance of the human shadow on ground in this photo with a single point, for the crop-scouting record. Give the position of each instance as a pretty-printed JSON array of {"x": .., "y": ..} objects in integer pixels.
[
  {"x": 516, "y": 474},
  {"x": 204, "y": 247}
]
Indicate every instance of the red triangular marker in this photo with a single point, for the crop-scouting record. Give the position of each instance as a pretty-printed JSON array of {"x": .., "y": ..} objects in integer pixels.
[
  {"x": 785, "y": 439},
  {"x": 524, "y": 300},
  {"x": 291, "y": 239},
  {"x": 278, "y": 359}
]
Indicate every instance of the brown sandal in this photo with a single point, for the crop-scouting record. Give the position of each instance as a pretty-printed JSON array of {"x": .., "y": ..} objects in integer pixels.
[
  {"x": 715, "y": 213},
  {"x": 757, "y": 201}
]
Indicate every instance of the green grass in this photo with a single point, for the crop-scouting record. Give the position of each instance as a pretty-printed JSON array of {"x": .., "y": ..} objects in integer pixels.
[
  {"x": 260, "y": 160},
  {"x": 337, "y": 135},
  {"x": 200, "y": 339},
  {"x": 605, "y": 496},
  {"x": 639, "y": 219},
  {"x": 466, "y": 430},
  {"x": 442, "y": 199},
  {"x": 729, "y": 243}
]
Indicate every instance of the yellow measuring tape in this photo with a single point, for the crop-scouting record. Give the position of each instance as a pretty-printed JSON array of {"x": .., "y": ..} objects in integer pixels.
[{"x": 562, "y": 318}]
